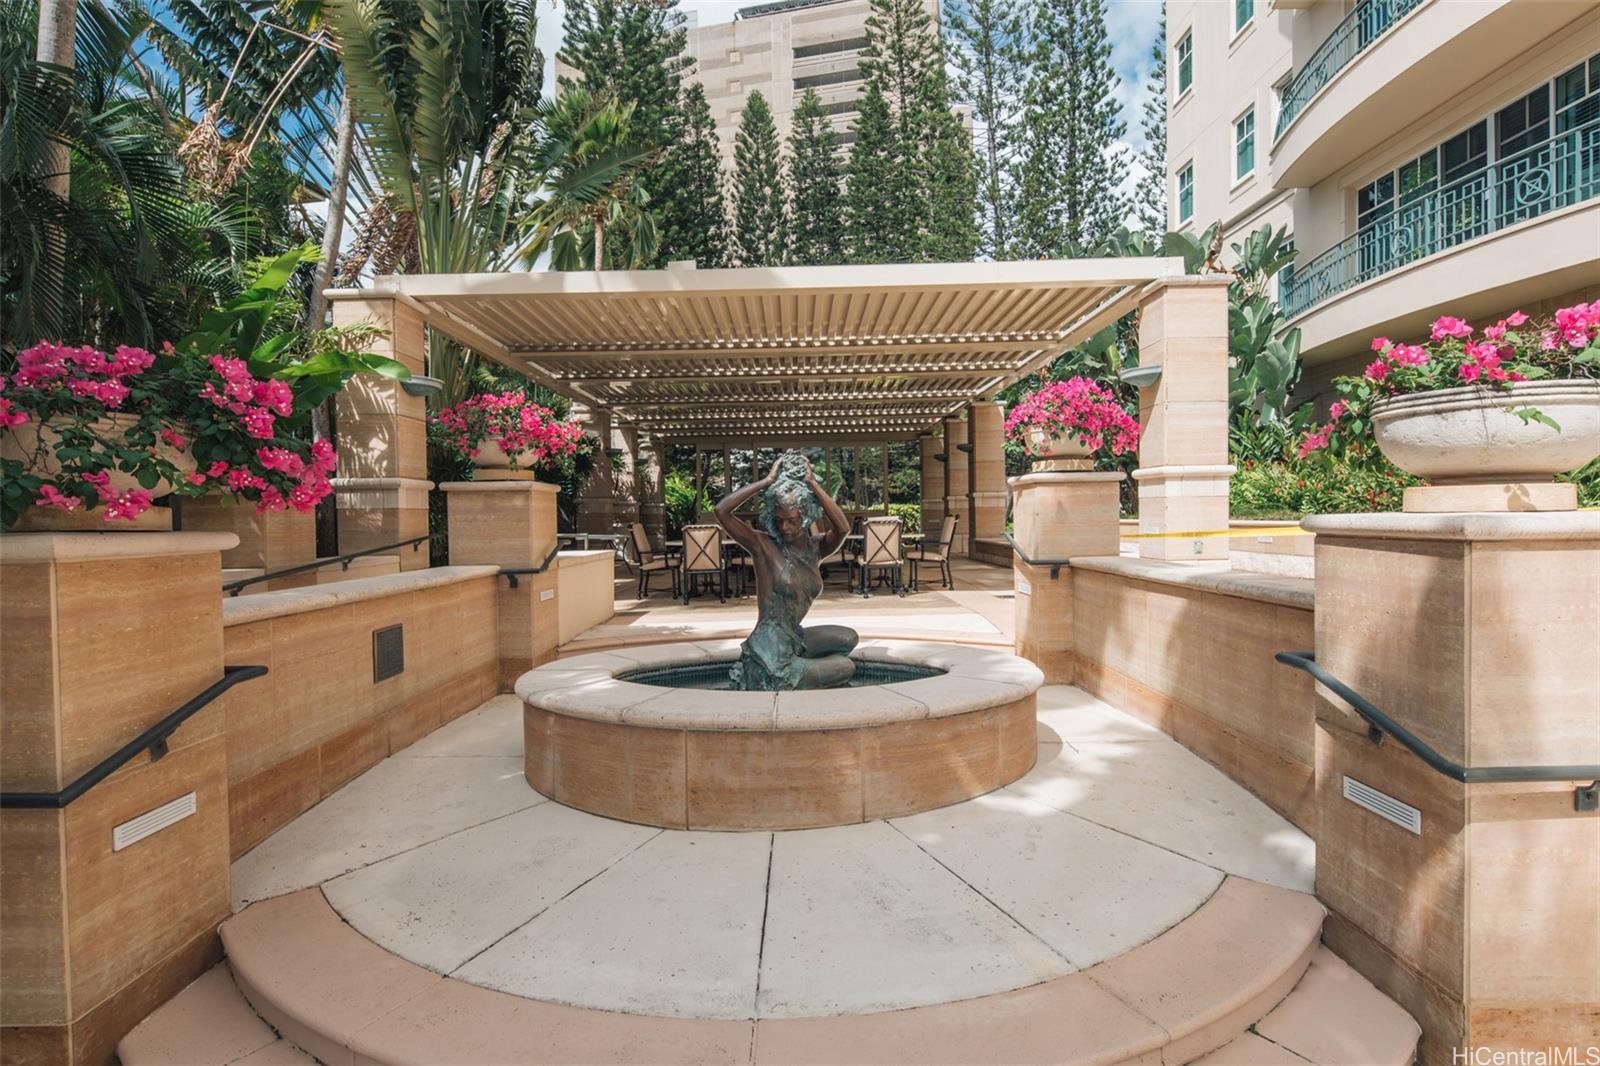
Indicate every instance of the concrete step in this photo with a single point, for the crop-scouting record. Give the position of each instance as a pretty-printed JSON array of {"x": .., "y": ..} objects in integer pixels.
[
  {"x": 208, "y": 1024},
  {"x": 1242, "y": 980}
]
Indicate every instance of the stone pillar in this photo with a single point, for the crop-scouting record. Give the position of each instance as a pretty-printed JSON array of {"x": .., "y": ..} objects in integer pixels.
[
  {"x": 1476, "y": 632},
  {"x": 275, "y": 540},
  {"x": 1056, "y": 516},
  {"x": 930, "y": 445},
  {"x": 511, "y": 524},
  {"x": 651, "y": 476},
  {"x": 955, "y": 483},
  {"x": 105, "y": 635},
  {"x": 382, "y": 485},
  {"x": 986, "y": 465},
  {"x": 1183, "y": 453},
  {"x": 597, "y": 503},
  {"x": 625, "y": 439}
]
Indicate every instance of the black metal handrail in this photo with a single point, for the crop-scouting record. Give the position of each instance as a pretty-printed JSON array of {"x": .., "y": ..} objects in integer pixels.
[
  {"x": 233, "y": 588},
  {"x": 1379, "y": 724},
  {"x": 1055, "y": 565},
  {"x": 153, "y": 740},
  {"x": 511, "y": 573}
]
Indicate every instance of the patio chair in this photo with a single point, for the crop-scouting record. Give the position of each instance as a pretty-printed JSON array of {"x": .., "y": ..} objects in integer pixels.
[
  {"x": 880, "y": 553},
  {"x": 839, "y": 558},
  {"x": 702, "y": 557},
  {"x": 651, "y": 563},
  {"x": 937, "y": 554}
]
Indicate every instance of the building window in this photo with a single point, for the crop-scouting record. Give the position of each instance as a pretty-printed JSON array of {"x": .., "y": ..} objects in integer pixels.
[
  {"x": 828, "y": 48},
  {"x": 837, "y": 77},
  {"x": 1244, "y": 145},
  {"x": 1243, "y": 12},
  {"x": 735, "y": 86},
  {"x": 1185, "y": 63},
  {"x": 1578, "y": 96},
  {"x": 1286, "y": 272},
  {"x": 1522, "y": 124},
  {"x": 1186, "y": 193},
  {"x": 734, "y": 55}
]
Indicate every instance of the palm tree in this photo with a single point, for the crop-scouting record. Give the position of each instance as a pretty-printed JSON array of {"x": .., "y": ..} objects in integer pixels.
[{"x": 591, "y": 168}]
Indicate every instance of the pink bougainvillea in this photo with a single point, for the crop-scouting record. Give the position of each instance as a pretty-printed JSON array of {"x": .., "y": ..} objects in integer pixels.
[
  {"x": 1079, "y": 408},
  {"x": 1515, "y": 348},
  {"x": 168, "y": 406},
  {"x": 530, "y": 434}
]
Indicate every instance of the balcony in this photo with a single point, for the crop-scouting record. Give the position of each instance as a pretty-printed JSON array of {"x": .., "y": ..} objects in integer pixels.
[
  {"x": 1562, "y": 171},
  {"x": 1350, "y": 38},
  {"x": 1393, "y": 63}
]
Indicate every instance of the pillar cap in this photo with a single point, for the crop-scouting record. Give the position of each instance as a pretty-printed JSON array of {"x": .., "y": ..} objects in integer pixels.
[
  {"x": 1155, "y": 472},
  {"x": 1477, "y": 525},
  {"x": 498, "y": 486},
  {"x": 1063, "y": 477},
  {"x": 356, "y": 484},
  {"x": 113, "y": 544}
]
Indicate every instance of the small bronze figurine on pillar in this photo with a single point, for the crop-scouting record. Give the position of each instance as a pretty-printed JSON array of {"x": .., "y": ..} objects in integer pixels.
[{"x": 780, "y": 653}]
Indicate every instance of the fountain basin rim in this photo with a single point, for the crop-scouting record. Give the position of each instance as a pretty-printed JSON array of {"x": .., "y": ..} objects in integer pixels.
[{"x": 586, "y": 686}]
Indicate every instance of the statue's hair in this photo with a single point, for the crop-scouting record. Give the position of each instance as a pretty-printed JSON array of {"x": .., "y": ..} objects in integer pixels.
[{"x": 789, "y": 490}]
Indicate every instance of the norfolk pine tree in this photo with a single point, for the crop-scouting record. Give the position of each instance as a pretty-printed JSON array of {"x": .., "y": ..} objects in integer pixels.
[
  {"x": 760, "y": 211},
  {"x": 815, "y": 185}
]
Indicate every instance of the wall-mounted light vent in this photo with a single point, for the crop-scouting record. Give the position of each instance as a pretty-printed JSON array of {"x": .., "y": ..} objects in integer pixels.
[
  {"x": 149, "y": 822},
  {"x": 1384, "y": 806}
]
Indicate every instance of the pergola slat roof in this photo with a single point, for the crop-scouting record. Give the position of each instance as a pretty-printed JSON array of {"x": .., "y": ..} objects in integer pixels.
[{"x": 815, "y": 352}]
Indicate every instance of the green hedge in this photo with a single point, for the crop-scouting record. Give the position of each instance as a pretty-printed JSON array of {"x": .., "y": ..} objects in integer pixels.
[{"x": 1293, "y": 488}]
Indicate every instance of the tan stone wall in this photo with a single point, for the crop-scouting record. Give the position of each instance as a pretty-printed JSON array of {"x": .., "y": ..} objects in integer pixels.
[
  {"x": 584, "y": 591},
  {"x": 318, "y": 719},
  {"x": 1198, "y": 665}
]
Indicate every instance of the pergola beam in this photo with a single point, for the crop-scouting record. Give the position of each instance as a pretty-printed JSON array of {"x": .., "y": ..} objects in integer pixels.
[
  {"x": 709, "y": 349},
  {"x": 817, "y": 374}
]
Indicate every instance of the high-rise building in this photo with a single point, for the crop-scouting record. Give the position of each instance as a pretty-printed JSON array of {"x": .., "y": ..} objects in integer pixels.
[
  {"x": 1429, "y": 156},
  {"x": 782, "y": 49}
]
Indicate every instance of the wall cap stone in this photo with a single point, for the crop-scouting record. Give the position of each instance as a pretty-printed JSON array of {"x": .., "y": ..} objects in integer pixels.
[
  {"x": 498, "y": 486},
  {"x": 1445, "y": 525},
  {"x": 1285, "y": 591},
  {"x": 113, "y": 544},
  {"x": 1063, "y": 477},
  {"x": 355, "y": 484},
  {"x": 242, "y": 610},
  {"x": 1146, "y": 472}
]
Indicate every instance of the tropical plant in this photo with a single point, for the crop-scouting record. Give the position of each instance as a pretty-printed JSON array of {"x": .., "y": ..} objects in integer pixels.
[
  {"x": 592, "y": 168},
  {"x": 1076, "y": 408},
  {"x": 225, "y": 410},
  {"x": 1265, "y": 358},
  {"x": 528, "y": 433}
]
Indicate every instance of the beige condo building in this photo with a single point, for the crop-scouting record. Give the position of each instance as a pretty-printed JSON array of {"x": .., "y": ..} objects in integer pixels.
[{"x": 1428, "y": 156}]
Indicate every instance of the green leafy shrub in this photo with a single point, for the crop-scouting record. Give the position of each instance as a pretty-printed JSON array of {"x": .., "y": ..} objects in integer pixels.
[
  {"x": 1292, "y": 488},
  {"x": 910, "y": 515}
]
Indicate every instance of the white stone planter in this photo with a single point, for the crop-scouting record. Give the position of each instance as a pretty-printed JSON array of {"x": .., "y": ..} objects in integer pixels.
[
  {"x": 1471, "y": 435},
  {"x": 1043, "y": 444},
  {"x": 491, "y": 456},
  {"x": 34, "y": 446}
]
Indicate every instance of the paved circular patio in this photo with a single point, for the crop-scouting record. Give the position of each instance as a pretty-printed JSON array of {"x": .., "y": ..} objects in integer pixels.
[{"x": 444, "y": 856}]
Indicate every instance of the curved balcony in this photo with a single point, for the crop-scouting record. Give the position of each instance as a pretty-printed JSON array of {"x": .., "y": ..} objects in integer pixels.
[
  {"x": 1526, "y": 227},
  {"x": 1392, "y": 62}
]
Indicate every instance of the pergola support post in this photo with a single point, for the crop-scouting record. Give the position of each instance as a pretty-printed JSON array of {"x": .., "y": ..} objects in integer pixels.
[
  {"x": 1183, "y": 450},
  {"x": 651, "y": 475},
  {"x": 597, "y": 502},
  {"x": 955, "y": 482},
  {"x": 625, "y": 441},
  {"x": 986, "y": 471},
  {"x": 382, "y": 485},
  {"x": 930, "y": 446}
]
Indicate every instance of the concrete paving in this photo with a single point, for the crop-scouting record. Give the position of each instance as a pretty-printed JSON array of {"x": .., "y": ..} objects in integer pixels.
[{"x": 445, "y": 856}]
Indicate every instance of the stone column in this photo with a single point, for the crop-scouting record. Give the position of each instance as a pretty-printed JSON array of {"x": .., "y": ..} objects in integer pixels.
[
  {"x": 955, "y": 483},
  {"x": 275, "y": 540},
  {"x": 382, "y": 485},
  {"x": 597, "y": 503},
  {"x": 1476, "y": 632},
  {"x": 1058, "y": 516},
  {"x": 625, "y": 439},
  {"x": 511, "y": 524},
  {"x": 105, "y": 635},
  {"x": 651, "y": 476},
  {"x": 986, "y": 464},
  {"x": 930, "y": 446},
  {"x": 1183, "y": 453}
]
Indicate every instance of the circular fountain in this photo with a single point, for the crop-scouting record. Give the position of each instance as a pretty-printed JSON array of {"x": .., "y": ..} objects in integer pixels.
[{"x": 653, "y": 735}]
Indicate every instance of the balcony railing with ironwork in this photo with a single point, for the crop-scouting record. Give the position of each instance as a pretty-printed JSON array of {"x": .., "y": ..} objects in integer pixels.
[
  {"x": 1370, "y": 20},
  {"x": 1557, "y": 173}
]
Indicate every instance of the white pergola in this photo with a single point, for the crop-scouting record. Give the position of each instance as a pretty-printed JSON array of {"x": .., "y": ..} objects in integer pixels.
[{"x": 781, "y": 355}]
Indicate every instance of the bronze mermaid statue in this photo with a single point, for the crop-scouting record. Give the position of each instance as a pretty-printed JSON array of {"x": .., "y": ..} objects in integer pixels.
[{"x": 780, "y": 653}]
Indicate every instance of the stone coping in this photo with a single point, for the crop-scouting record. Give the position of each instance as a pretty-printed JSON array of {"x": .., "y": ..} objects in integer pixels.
[
  {"x": 1476, "y": 525},
  {"x": 241, "y": 610},
  {"x": 498, "y": 486},
  {"x": 1208, "y": 577},
  {"x": 355, "y": 483},
  {"x": 113, "y": 544},
  {"x": 586, "y": 686},
  {"x": 1180, "y": 472},
  {"x": 1060, "y": 477}
]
